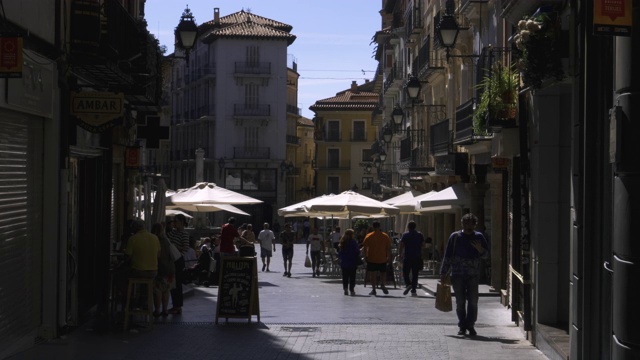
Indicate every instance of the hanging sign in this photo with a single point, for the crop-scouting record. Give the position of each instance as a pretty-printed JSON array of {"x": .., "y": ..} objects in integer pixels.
[
  {"x": 612, "y": 17},
  {"x": 10, "y": 56},
  {"x": 97, "y": 111}
]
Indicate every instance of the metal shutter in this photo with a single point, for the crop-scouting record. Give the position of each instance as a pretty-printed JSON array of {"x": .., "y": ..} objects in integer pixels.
[{"x": 20, "y": 230}]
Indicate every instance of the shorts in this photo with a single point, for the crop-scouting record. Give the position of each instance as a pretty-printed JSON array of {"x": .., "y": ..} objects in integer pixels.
[
  {"x": 287, "y": 254},
  {"x": 381, "y": 267},
  {"x": 265, "y": 252}
]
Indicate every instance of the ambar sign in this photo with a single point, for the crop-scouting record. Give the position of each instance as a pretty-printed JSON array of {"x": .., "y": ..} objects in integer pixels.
[{"x": 97, "y": 111}]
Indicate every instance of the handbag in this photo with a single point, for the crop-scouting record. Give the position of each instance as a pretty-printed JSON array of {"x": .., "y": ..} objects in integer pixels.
[
  {"x": 443, "y": 298},
  {"x": 307, "y": 262}
]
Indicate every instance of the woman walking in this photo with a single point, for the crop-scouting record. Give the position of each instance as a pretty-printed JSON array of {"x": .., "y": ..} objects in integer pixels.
[{"x": 348, "y": 253}]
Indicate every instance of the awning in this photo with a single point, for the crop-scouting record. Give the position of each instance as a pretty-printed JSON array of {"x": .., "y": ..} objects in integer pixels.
[{"x": 454, "y": 197}]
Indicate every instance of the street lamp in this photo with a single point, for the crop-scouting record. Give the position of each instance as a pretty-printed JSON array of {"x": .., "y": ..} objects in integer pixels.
[
  {"x": 186, "y": 32},
  {"x": 382, "y": 155},
  {"x": 285, "y": 168},
  {"x": 413, "y": 87},
  {"x": 387, "y": 134},
  {"x": 448, "y": 31},
  {"x": 376, "y": 163},
  {"x": 397, "y": 114}
]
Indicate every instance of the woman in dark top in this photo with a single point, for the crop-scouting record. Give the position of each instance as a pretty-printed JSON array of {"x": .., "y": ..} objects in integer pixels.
[{"x": 348, "y": 253}]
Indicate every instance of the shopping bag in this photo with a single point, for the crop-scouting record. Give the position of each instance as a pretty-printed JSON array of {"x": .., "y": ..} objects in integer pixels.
[
  {"x": 443, "y": 298},
  {"x": 307, "y": 262}
]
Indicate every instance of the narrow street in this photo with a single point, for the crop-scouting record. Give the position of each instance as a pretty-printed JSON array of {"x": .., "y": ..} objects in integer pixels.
[{"x": 306, "y": 318}]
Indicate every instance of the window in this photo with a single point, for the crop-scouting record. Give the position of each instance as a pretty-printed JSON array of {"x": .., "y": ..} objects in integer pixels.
[
  {"x": 367, "y": 155},
  {"x": 333, "y": 158},
  {"x": 251, "y": 95},
  {"x": 333, "y": 185},
  {"x": 250, "y": 179},
  {"x": 253, "y": 56},
  {"x": 367, "y": 183},
  {"x": 359, "y": 131},
  {"x": 333, "y": 130}
]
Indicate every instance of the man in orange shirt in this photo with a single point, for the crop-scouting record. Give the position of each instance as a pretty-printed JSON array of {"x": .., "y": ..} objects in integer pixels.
[{"x": 377, "y": 249}]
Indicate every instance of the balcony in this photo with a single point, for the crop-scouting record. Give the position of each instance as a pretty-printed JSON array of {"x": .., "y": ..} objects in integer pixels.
[
  {"x": 242, "y": 110},
  {"x": 358, "y": 136},
  {"x": 413, "y": 20},
  {"x": 412, "y": 148},
  {"x": 292, "y": 109},
  {"x": 333, "y": 136},
  {"x": 334, "y": 165},
  {"x": 514, "y": 10},
  {"x": 252, "y": 68},
  {"x": 440, "y": 137},
  {"x": 472, "y": 8},
  {"x": 393, "y": 80},
  {"x": 293, "y": 140},
  {"x": 427, "y": 63},
  {"x": 251, "y": 153}
]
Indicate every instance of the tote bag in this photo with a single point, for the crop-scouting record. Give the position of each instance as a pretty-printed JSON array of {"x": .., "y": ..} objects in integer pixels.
[{"x": 443, "y": 298}]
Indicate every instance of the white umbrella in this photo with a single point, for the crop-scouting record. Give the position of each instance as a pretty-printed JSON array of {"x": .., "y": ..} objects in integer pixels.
[
  {"x": 402, "y": 197},
  {"x": 448, "y": 199},
  {"x": 173, "y": 212},
  {"x": 353, "y": 203},
  {"x": 209, "y": 193},
  {"x": 412, "y": 206},
  {"x": 298, "y": 209},
  {"x": 208, "y": 208}
]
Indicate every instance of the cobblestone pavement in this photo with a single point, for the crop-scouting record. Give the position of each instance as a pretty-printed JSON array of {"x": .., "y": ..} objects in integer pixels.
[{"x": 305, "y": 318}]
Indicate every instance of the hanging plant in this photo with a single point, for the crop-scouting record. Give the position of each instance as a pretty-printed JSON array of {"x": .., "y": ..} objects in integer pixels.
[
  {"x": 498, "y": 101},
  {"x": 538, "y": 43}
]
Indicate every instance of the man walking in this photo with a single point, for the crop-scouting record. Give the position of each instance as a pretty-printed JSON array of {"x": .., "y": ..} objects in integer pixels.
[
  {"x": 287, "y": 239},
  {"x": 462, "y": 256},
  {"x": 316, "y": 243},
  {"x": 180, "y": 238},
  {"x": 266, "y": 239},
  {"x": 377, "y": 249},
  {"x": 410, "y": 251}
]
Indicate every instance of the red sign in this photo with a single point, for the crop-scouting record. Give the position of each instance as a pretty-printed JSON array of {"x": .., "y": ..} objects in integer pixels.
[
  {"x": 132, "y": 157},
  {"x": 10, "y": 56},
  {"x": 612, "y": 17}
]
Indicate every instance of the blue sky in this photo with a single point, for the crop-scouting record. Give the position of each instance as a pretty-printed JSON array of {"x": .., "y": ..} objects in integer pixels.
[{"x": 333, "y": 36}]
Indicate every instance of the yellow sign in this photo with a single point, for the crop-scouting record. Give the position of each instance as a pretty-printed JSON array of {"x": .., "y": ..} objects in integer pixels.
[
  {"x": 97, "y": 111},
  {"x": 612, "y": 17}
]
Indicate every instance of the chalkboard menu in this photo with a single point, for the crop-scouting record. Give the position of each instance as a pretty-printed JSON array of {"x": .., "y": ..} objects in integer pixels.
[{"x": 238, "y": 288}]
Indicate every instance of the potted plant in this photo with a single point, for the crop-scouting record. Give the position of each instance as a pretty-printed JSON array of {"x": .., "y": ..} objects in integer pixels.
[
  {"x": 497, "y": 105},
  {"x": 537, "y": 40}
]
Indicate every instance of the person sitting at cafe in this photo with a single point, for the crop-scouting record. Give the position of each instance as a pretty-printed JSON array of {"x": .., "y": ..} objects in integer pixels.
[{"x": 142, "y": 251}]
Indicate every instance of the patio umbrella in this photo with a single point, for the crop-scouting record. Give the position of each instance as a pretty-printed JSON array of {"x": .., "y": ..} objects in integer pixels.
[
  {"x": 174, "y": 212},
  {"x": 449, "y": 199},
  {"x": 208, "y": 208},
  {"x": 298, "y": 209},
  {"x": 402, "y": 197},
  {"x": 209, "y": 193},
  {"x": 412, "y": 206},
  {"x": 352, "y": 203}
]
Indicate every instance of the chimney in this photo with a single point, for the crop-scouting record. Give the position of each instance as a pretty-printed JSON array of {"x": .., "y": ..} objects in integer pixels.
[
  {"x": 354, "y": 86},
  {"x": 216, "y": 16}
]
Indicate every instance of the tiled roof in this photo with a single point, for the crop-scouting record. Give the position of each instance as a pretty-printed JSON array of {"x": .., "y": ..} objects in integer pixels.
[
  {"x": 242, "y": 16},
  {"x": 244, "y": 24},
  {"x": 347, "y": 100},
  {"x": 304, "y": 121}
]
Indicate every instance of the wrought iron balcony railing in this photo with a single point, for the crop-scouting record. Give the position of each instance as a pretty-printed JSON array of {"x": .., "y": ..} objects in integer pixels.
[
  {"x": 440, "y": 137},
  {"x": 251, "y": 109},
  {"x": 253, "y": 68},
  {"x": 251, "y": 153}
]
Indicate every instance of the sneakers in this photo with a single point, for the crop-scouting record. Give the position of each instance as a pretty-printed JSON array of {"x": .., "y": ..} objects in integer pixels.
[
  {"x": 373, "y": 292},
  {"x": 353, "y": 293},
  {"x": 414, "y": 294},
  {"x": 318, "y": 273},
  {"x": 346, "y": 292},
  {"x": 472, "y": 332},
  {"x": 406, "y": 291},
  {"x": 313, "y": 274},
  {"x": 264, "y": 266},
  {"x": 288, "y": 274},
  {"x": 285, "y": 274},
  {"x": 384, "y": 290},
  {"x": 463, "y": 331}
]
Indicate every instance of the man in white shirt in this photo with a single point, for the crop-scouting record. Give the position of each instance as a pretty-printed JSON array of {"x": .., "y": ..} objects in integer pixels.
[{"x": 265, "y": 238}]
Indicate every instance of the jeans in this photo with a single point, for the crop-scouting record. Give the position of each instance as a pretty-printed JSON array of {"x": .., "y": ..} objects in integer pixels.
[
  {"x": 412, "y": 266},
  {"x": 349, "y": 278},
  {"x": 466, "y": 293},
  {"x": 176, "y": 294}
]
